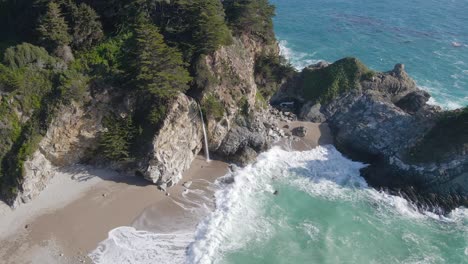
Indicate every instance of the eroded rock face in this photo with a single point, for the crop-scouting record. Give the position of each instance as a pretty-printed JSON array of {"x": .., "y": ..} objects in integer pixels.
[
  {"x": 244, "y": 126},
  {"x": 70, "y": 139},
  {"x": 176, "y": 144}
]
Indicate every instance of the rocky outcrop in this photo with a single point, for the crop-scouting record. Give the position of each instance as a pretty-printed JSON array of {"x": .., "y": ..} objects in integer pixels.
[
  {"x": 176, "y": 144},
  {"x": 70, "y": 139},
  {"x": 243, "y": 128},
  {"x": 381, "y": 121}
]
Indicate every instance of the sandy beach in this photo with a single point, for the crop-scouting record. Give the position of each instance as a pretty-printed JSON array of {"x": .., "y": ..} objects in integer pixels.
[{"x": 81, "y": 205}]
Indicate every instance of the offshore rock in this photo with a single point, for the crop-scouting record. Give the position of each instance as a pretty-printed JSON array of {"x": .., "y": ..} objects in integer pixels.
[{"x": 385, "y": 121}]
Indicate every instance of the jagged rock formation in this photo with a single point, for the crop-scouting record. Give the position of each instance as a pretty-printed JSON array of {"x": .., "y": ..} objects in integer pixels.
[
  {"x": 382, "y": 119},
  {"x": 243, "y": 128},
  {"x": 176, "y": 144}
]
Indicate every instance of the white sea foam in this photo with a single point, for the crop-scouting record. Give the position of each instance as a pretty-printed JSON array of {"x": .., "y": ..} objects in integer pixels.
[
  {"x": 299, "y": 60},
  {"x": 127, "y": 245},
  {"x": 240, "y": 215}
]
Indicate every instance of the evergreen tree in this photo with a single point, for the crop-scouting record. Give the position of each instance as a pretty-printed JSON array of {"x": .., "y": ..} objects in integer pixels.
[
  {"x": 160, "y": 71},
  {"x": 53, "y": 29},
  {"x": 251, "y": 16},
  {"x": 209, "y": 28},
  {"x": 87, "y": 29},
  {"x": 160, "y": 68}
]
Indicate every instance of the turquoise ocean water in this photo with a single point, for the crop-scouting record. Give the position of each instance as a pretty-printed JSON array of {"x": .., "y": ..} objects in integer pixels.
[
  {"x": 324, "y": 211},
  {"x": 430, "y": 37}
]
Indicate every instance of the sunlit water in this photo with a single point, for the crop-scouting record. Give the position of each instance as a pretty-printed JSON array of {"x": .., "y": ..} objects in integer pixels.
[
  {"x": 324, "y": 212},
  {"x": 430, "y": 37}
]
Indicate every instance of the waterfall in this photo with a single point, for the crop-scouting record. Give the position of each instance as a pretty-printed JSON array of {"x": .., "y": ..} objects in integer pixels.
[{"x": 205, "y": 137}]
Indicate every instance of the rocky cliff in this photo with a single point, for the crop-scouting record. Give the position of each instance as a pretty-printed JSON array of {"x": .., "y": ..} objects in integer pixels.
[
  {"x": 241, "y": 127},
  {"x": 176, "y": 144},
  {"x": 383, "y": 119}
]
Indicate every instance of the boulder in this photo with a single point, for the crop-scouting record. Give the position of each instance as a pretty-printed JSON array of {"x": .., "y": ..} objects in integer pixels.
[{"x": 299, "y": 131}]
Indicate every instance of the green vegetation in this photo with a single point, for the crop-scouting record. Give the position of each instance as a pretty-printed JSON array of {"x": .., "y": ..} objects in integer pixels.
[
  {"x": 324, "y": 84},
  {"x": 160, "y": 70},
  {"x": 115, "y": 142},
  {"x": 212, "y": 107},
  {"x": 261, "y": 102},
  {"x": 53, "y": 29},
  {"x": 143, "y": 52},
  {"x": 252, "y": 17},
  {"x": 270, "y": 71},
  {"x": 448, "y": 137},
  {"x": 86, "y": 27},
  {"x": 24, "y": 54}
]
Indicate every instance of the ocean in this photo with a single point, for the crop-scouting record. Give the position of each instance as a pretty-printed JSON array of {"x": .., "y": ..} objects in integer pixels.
[{"x": 324, "y": 211}]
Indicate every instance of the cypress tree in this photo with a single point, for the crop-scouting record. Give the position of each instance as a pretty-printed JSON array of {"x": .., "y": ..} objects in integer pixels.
[
  {"x": 160, "y": 71},
  {"x": 53, "y": 29},
  {"x": 160, "y": 68},
  {"x": 209, "y": 28},
  {"x": 87, "y": 29}
]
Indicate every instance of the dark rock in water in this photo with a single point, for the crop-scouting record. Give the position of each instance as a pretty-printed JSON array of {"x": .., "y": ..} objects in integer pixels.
[
  {"x": 299, "y": 131},
  {"x": 245, "y": 156},
  {"x": 275, "y": 192},
  {"x": 414, "y": 149}
]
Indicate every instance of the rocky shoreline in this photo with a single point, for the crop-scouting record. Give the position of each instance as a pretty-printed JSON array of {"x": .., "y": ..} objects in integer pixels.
[
  {"x": 381, "y": 119},
  {"x": 385, "y": 121}
]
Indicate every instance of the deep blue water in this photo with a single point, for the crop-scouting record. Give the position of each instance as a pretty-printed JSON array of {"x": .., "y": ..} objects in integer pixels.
[{"x": 422, "y": 34}]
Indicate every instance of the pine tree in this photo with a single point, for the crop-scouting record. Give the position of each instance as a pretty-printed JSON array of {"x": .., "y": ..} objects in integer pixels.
[
  {"x": 53, "y": 29},
  {"x": 160, "y": 68},
  {"x": 87, "y": 29},
  {"x": 209, "y": 28}
]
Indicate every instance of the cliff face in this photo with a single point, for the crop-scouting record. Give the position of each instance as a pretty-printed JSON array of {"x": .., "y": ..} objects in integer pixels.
[
  {"x": 71, "y": 138},
  {"x": 383, "y": 119},
  {"x": 241, "y": 130},
  {"x": 176, "y": 143}
]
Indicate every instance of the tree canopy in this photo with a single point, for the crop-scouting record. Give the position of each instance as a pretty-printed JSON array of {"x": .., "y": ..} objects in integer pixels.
[{"x": 53, "y": 29}]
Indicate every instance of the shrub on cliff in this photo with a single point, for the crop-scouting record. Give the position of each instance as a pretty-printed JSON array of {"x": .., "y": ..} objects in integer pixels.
[
  {"x": 212, "y": 107},
  {"x": 25, "y": 54},
  {"x": 270, "y": 71},
  {"x": 325, "y": 84}
]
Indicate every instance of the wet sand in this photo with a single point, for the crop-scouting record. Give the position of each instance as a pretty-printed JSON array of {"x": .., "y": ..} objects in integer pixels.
[{"x": 76, "y": 212}]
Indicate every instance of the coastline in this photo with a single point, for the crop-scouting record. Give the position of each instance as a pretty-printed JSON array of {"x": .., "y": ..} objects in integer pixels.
[{"x": 77, "y": 211}]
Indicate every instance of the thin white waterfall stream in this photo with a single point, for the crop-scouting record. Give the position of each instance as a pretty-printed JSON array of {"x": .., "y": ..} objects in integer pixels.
[{"x": 205, "y": 137}]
